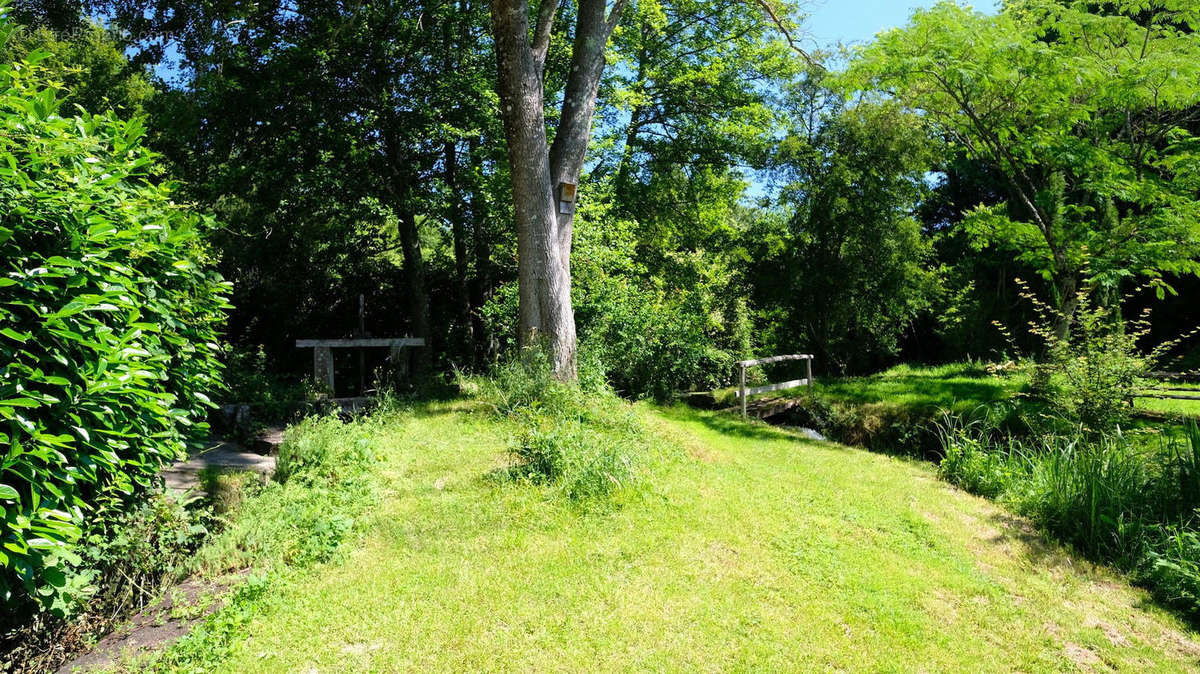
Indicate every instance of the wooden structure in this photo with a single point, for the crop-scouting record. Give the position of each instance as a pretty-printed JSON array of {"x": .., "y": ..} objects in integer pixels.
[
  {"x": 745, "y": 393},
  {"x": 323, "y": 351},
  {"x": 1168, "y": 392}
]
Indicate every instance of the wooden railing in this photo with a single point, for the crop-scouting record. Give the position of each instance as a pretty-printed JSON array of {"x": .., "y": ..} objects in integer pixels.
[
  {"x": 745, "y": 393},
  {"x": 1169, "y": 392},
  {"x": 323, "y": 354}
]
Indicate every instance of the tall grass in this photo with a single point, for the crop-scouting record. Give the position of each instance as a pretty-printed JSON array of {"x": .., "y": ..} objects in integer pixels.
[
  {"x": 323, "y": 481},
  {"x": 582, "y": 441},
  {"x": 1114, "y": 498}
]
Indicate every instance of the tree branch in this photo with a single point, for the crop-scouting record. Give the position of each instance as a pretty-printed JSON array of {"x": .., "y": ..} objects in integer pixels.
[
  {"x": 541, "y": 32},
  {"x": 787, "y": 33},
  {"x": 614, "y": 15}
]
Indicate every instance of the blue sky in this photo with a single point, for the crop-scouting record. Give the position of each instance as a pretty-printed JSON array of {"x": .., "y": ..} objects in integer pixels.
[{"x": 833, "y": 21}]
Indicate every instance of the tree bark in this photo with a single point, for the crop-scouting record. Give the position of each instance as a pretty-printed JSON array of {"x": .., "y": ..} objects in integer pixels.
[
  {"x": 418, "y": 301},
  {"x": 458, "y": 223},
  {"x": 481, "y": 286},
  {"x": 544, "y": 234},
  {"x": 1066, "y": 287}
]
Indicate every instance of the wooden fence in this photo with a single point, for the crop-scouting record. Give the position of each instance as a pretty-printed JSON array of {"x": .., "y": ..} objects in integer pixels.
[
  {"x": 1168, "y": 392},
  {"x": 744, "y": 393}
]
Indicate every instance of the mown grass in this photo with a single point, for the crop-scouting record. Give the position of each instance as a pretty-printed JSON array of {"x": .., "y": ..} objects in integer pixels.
[
  {"x": 749, "y": 548},
  {"x": 957, "y": 386}
]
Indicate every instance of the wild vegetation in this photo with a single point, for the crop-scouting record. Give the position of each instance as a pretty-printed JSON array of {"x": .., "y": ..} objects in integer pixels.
[{"x": 982, "y": 224}]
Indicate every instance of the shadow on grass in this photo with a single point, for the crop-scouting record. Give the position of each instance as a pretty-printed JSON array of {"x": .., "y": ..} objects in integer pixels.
[
  {"x": 1035, "y": 547},
  {"x": 732, "y": 425},
  {"x": 916, "y": 390}
]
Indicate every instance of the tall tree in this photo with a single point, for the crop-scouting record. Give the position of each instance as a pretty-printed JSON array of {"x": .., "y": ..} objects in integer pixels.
[
  {"x": 1084, "y": 115},
  {"x": 539, "y": 168},
  {"x": 337, "y": 139},
  {"x": 848, "y": 272},
  {"x": 691, "y": 108}
]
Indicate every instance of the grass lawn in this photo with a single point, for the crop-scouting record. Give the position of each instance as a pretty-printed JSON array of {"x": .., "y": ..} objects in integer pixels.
[
  {"x": 750, "y": 549},
  {"x": 957, "y": 386}
]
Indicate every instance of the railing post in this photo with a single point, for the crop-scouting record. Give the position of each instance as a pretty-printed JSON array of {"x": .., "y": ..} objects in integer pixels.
[
  {"x": 742, "y": 387},
  {"x": 808, "y": 369},
  {"x": 323, "y": 367}
]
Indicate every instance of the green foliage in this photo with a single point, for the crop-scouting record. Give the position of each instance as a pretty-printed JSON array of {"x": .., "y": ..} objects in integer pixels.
[
  {"x": 688, "y": 109},
  {"x": 850, "y": 270},
  {"x": 1093, "y": 380},
  {"x": 656, "y": 334},
  {"x": 1082, "y": 113},
  {"x": 587, "y": 445},
  {"x": 647, "y": 334},
  {"x": 88, "y": 66},
  {"x": 126, "y": 560},
  {"x": 323, "y": 481},
  {"x": 966, "y": 461},
  {"x": 1172, "y": 567},
  {"x": 318, "y": 450},
  {"x": 109, "y": 314},
  {"x": 249, "y": 379},
  {"x": 129, "y": 558},
  {"x": 1092, "y": 374}
]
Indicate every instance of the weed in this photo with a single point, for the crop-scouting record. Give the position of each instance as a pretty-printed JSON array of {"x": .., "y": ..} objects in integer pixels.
[{"x": 585, "y": 443}]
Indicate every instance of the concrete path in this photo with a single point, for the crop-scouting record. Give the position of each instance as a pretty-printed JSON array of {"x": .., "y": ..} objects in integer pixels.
[{"x": 226, "y": 455}]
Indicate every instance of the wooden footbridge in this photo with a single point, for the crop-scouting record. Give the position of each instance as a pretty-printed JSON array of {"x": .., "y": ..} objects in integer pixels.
[{"x": 769, "y": 407}]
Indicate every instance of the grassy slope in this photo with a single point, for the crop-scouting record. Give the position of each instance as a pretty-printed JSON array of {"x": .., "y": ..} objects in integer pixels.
[
  {"x": 961, "y": 387},
  {"x": 755, "y": 550},
  {"x": 956, "y": 386}
]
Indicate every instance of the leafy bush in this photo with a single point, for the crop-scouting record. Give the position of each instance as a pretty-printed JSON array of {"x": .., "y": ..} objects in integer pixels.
[
  {"x": 586, "y": 444},
  {"x": 646, "y": 334},
  {"x": 323, "y": 481},
  {"x": 966, "y": 461},
  {"x": 1172, "y": 568},
  {"x": 1091, "y": 371},
  {"x": 126, "y": 559},
  {"x": 248, "y": 380},
  {"x": 109, "y": 320},
  {"x": 320, "y": 450},
  {"x": 136, "y": 551}
]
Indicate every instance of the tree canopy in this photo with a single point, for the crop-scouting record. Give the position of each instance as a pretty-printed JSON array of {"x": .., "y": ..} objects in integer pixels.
[{"x": 1085, "y": 116}]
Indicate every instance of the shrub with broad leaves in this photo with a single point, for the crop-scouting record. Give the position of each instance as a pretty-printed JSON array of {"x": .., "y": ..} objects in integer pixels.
[{"x": 108, "y": 329}]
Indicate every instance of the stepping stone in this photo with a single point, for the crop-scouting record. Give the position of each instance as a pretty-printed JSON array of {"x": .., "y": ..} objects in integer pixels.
[
  {"x": 268, "y": 441},
  {"x": 228, "y": 456}
]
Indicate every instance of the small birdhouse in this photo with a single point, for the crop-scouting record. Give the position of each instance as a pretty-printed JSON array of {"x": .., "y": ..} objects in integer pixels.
[{"x": 566, "y": 197}]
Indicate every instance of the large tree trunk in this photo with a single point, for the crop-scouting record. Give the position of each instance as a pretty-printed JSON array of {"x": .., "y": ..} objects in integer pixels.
[
  {"x": 458, "y": 219},
  {"x": 414, "y": 276},
  {"x": 481, "y": 287},
  {"x": 544, "y": 234},
  {"x": 1066, "y": 289}
]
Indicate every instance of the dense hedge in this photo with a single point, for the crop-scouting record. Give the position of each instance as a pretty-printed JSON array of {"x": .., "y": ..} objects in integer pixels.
[{"x": 108, "y": 330}]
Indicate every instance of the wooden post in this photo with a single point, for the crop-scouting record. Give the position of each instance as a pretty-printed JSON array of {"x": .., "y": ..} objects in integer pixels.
[
  {"x": 742, "y": 387},
  {"x": 808, "y": 369},
  {"x": 399, "y": 358},
  {"x": 362, "y": 356},
  {"x": 323, "y": 367}
]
